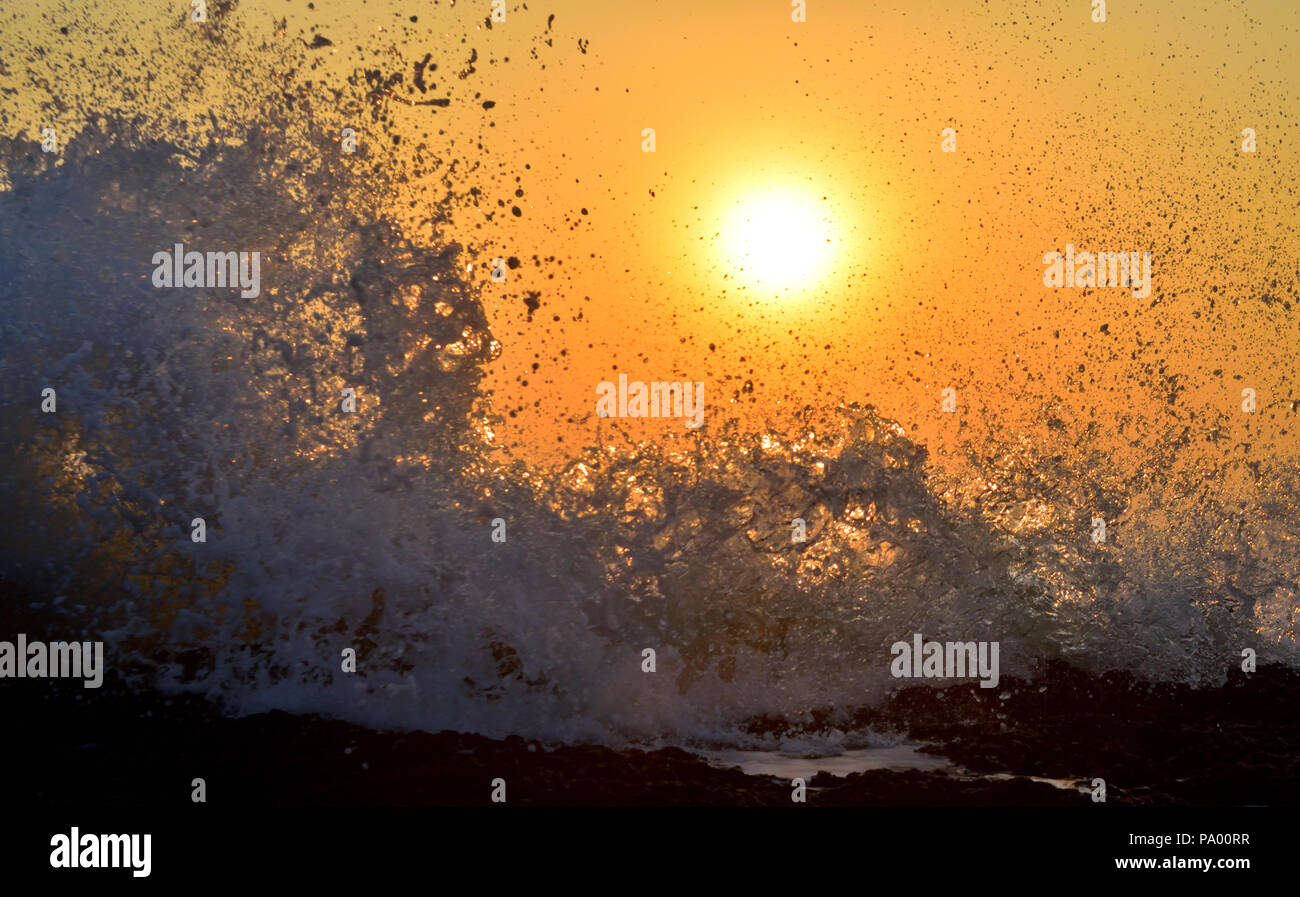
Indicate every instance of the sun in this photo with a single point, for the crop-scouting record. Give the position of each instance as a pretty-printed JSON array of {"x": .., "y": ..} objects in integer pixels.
[{"x": 780, "y": 239}]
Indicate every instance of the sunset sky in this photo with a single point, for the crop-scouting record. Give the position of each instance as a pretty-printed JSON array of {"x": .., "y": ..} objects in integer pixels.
[{"x": 1117, "y": 136}]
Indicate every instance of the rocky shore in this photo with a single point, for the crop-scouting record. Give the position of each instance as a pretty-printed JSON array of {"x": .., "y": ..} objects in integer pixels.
[{"x": 1161, "y": 744}]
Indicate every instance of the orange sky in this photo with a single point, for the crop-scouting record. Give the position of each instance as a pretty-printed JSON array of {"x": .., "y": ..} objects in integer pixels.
[
  {"x": 1116, "y": 136},
  {"x": 1123, "y": 135}
]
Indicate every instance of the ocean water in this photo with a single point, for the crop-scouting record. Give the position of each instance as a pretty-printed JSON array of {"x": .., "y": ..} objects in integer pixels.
[
  {"x": 329, "y": 531},
  {"x": 788, "y": 766}
]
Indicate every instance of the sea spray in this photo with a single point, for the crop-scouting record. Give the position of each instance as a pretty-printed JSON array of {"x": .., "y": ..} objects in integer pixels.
[{"x": 372, "y": 528}]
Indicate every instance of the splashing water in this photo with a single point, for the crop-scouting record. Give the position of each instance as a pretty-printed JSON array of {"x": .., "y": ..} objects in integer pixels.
[{"x": 330, "y": 530}]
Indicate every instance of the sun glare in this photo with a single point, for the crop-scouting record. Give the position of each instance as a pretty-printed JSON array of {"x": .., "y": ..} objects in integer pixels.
[{"x": 780, "y": 239}]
